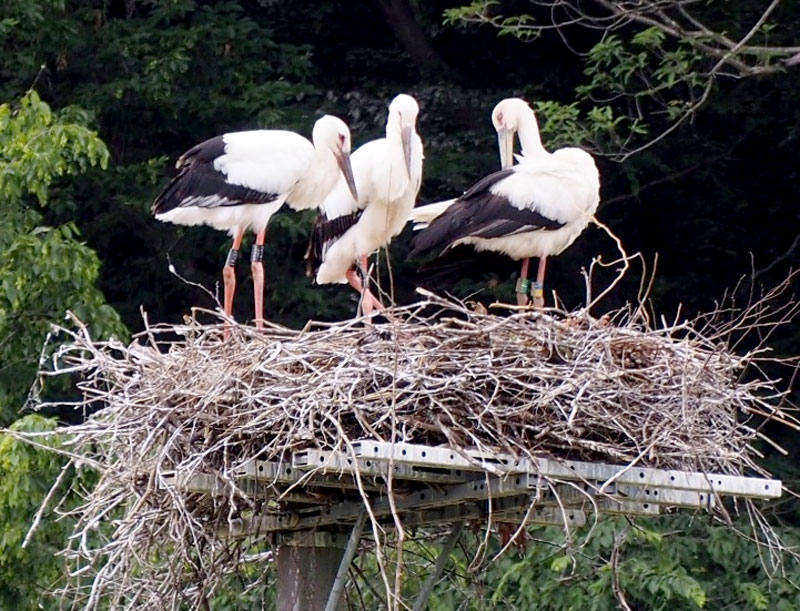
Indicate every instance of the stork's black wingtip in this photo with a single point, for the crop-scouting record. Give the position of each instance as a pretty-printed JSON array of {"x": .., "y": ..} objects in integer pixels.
[
  {"x": 417, "y": 251},
  {"x": 156, "y": 206},
  {"x": 412, "y": 255},
  {"x": 419, "y": 246}
]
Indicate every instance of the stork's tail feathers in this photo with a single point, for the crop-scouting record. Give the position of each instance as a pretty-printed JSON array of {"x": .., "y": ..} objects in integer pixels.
[
  {"x": 441, "y": 273},
  {"x": 313, "y": 256},
  {"x": 421, "y": 216},
  {"x": 201, "y": 158},
  {"x": 439, "y": 234},
  {"x": 323, "y": 233},
  {"x": 430, "y": 239}
]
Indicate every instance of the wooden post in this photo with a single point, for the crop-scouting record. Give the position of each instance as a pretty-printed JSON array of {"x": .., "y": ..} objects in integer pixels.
[{"x": 307, "y": 566}]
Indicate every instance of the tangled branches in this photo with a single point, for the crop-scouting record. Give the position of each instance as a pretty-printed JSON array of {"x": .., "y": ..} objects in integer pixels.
[{"x": 534, "y": 384}]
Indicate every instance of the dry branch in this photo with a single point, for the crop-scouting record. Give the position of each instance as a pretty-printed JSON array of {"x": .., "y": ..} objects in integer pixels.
[{"x": 181, "y": 399}]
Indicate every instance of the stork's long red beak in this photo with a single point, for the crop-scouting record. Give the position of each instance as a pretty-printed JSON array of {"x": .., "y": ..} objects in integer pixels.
[{"x": 343, "y": 159}]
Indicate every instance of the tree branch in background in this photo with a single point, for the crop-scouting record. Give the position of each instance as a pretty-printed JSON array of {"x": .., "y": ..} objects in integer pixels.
[
  {"x": 403, "y": 22},
  {"x": 654, "y": 62}
]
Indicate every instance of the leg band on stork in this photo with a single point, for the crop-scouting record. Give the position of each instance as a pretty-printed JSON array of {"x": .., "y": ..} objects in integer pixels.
[
  {"x": 526, "y": 288},
  {"x": 233, "y": 257},
  {"x": 523, "y": 284}
]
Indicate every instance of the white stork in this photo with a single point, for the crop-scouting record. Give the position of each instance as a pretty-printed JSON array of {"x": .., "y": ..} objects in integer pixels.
[
  {"x": 536, "y": 208},
  {"x": 388, "y": 172},
  {"x": 240, "y": 179}
]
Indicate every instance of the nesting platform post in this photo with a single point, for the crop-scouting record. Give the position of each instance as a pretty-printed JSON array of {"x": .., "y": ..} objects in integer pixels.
[
  {"x": 437, "y": 486},
  {"x": 307, "y": 563}
]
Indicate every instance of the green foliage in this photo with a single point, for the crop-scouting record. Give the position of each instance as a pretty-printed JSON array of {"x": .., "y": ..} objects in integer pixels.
[
  {"x": 630, "y": 84},
  {"x": 36, "y": 147},
  {"x": 157, "y": 77},
  {"x": 475, "y": 10},
  {"x": 648, "y": 69},
  {"x": 483, "y": 10},
  {"x": 26, "y": 474},
  {"x": 678, "y": 563},
  {"x": 189, "y": 63},
  {"x": 640, "y": 80},
  {"x": 44, "y": 271}
]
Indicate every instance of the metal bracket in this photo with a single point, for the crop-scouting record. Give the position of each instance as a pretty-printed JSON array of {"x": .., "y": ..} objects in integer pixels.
[
  {"x": 444, "y": 555},
  {"x": 435, "y": 485},
  {"x": 344, "y": 565},
  {"x": 326, "y": 461},
  {"x": 571, "y": 470}
]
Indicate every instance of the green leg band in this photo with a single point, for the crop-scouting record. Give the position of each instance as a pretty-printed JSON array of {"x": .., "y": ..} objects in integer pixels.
[{"x": 523, "y": 286}]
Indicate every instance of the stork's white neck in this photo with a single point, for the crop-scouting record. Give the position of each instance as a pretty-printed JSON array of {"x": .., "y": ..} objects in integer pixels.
[
  {"x": 311, "y": 189},
  {"x": 393, "y": 128},
  {"x": 529, "y": 138},
  {"x": 325, "y": 167},
  {"x": 394, "y": 139}
]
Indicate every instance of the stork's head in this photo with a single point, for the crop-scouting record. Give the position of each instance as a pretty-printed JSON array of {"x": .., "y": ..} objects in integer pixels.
[
  {"x": 332, "y": 133},
  {"x": 506, "y": 118},
  {"x": 403, "y": 113}
]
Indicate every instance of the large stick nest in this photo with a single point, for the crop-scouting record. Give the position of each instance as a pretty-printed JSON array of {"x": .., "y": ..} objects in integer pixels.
[
  {"x": 531, "y": 383},
  {"x": 527, "y": 383}
]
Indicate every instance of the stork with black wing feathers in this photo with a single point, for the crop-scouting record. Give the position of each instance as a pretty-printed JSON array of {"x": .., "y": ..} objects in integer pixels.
[
  {"x": 388, "y": 173},
  {"x": 240, "y": 179},
  {"x": 536, "y": 208}
]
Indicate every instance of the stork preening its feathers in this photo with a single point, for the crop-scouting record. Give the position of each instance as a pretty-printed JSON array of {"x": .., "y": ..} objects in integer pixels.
[
  {"x": 236, "y": 181},
  {"x": 350, "y": 227},
  {"x": 536, "y": 208},
  {"x": 239, "y": 180}
]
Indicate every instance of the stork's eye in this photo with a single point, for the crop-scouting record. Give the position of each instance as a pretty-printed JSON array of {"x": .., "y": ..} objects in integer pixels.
[
  {"x": 499, "y": 117},
  {"x": 342, "y": 138}
]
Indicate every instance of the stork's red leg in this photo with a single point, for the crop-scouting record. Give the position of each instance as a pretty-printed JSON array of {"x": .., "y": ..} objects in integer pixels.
[
  {"x": 538, "y": 286},
  {"x": 375, "y": 302},
  {"x": 523, "y": 284},
  {"x": 354, "y": 278},
  {"x": 368, "y": 301},
  {"x": 229, "y": 271},
  {"x": 257, "y": 268}
]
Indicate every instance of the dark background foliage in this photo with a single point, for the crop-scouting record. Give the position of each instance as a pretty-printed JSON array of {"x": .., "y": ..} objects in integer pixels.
[{"x": 716, "y": 200}]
